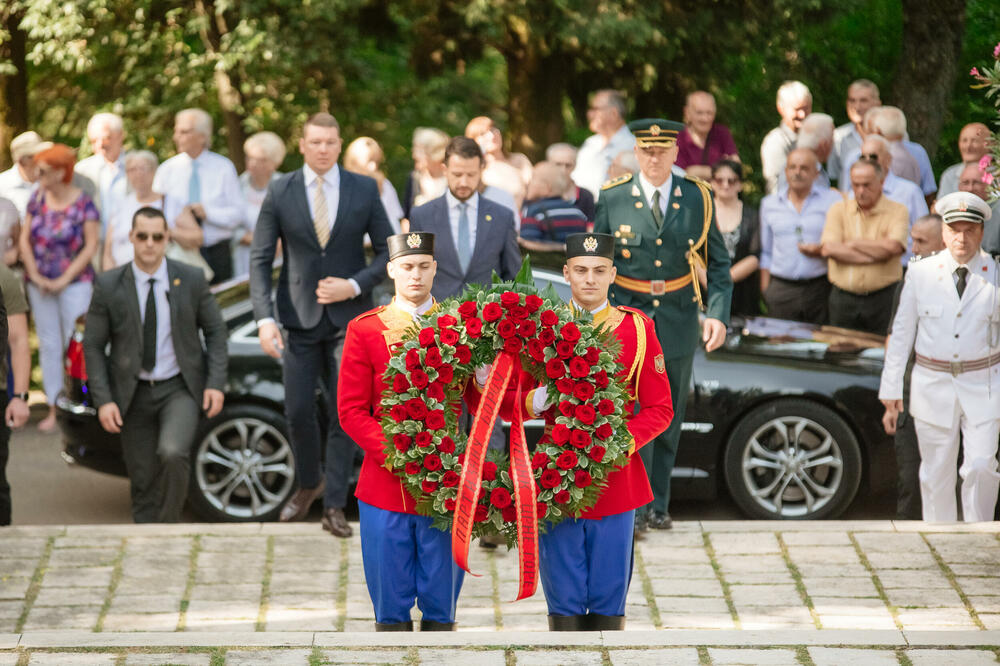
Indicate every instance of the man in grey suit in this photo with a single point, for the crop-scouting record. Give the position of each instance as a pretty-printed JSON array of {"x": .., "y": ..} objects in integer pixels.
[
  {"x": 158, "y": 376},
  {"x": 476, "y": 236},
  {"x": 321, "y": 213}
]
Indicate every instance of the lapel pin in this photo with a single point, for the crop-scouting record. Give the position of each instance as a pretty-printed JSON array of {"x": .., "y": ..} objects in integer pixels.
[
  {"x": 489, "y": 218},
  {"x": 635, "y": 190},
  {"x": 676, "y": 205},
  {"x": 638, "y": 204},
  {"x": 677, "y": 191},
  {"x": 177, "y": 282}
]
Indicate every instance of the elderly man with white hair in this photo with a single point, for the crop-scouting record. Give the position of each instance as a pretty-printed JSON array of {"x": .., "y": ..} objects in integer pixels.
[
  {"x": 890, "y": 122},
  {"x": 207, "y": 183},
  {"x": 816, "y": 135},
  {"x": 105, "y": 169},
  {"x": 794, "y": 102},
  {"x": 862, "y": 95},
  {"x": 264, "y": 151}
]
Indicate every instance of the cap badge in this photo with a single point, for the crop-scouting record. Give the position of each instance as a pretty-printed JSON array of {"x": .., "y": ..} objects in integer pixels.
[
  {"x": 590, "y": 244},
  {"x": 413, "y": 241},
  {"x": 963, "y": 206},
  {"x": 654, "y": 130},
  {"x": 635, "y": 190}
]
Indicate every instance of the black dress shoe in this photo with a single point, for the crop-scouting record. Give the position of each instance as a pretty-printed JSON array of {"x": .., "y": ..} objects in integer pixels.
[
  {"x": 394, "y": 626},
  {"x": 431, "y": 625},
  {"x": 335, "y": 522},
  {"x": 567, "y": 622},
  {"x": 598, "y": 622},
  {"x": 660, "y": 520}
]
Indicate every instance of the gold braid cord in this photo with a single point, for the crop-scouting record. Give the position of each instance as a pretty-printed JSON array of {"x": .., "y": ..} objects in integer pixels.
[
  {"x": 636, "y": 369},
  {"x": 696, "y": 260}
]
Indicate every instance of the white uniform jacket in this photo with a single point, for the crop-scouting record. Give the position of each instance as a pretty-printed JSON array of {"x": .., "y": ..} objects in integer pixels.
[{"x": 941, "y": 326}]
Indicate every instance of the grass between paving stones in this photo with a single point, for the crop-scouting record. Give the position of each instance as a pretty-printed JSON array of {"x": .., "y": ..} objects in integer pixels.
[
  {"x": 647, "y": 590},
  {"x": 316, "y": 656},
  {"x": 116, "y": 577},
  {"x": 265, "y": 586},
  {"x": 36, "y": 583},
  {"x": 491, "y": 558},
  {"x": 893, "y": 611},
  {"x": 703, "y": 657},
  {"x": 342, "y": 578},
  {"x": 801, "y": 651},
  {"x": 800, "y": 586},
  {"x": 950, "y": 575},
  {"x": 189, "y": 586},
  {"x": 717, "y": 568},
  {"x": 508, "y": 657}
]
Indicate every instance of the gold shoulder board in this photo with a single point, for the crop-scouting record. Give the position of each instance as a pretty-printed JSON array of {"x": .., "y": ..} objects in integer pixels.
[
  {"x": 614, "y": 182},
  {"x": 371, "y": 312},
  {"x": 698, "y": 181}
]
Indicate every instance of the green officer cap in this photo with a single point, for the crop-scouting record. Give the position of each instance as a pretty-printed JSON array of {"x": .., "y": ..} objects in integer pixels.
[
  {"x": 590, "y": 245},
  {"x": 655, "y": 132},
  {"x": 416, "y": 242}
]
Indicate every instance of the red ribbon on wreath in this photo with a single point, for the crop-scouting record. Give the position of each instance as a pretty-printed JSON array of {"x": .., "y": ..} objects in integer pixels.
[{"x": 506, "y": 366}]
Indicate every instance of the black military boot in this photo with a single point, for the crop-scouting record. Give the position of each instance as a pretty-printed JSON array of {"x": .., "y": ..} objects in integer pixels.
[
  {"x": 566, "y": 622},
  {"x": 394, "y": 626},
  {"x": 431, "y": 625},
  {"x": 598, "y": 622}
]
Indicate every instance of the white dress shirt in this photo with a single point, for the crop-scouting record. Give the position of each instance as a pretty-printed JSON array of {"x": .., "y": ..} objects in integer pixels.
[
  {"x": 109, "y": 181},
  {"x": 648, "y": 189},
  {"x": 166, "y": 359},
  {"x": 595, "y": 157},
  {"x": 221, "y": 195},
  {"x": 414, "y": 311},
  {"x": 472, "y": 212},
  {"x": 17, "y": 189},
  {"x": 331, "y": 190}
]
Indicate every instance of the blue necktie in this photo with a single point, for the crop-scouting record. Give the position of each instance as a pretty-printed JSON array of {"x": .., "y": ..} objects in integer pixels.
[
  {"x": 464, "y": 237},
  {"x": 194, "y": 185}
]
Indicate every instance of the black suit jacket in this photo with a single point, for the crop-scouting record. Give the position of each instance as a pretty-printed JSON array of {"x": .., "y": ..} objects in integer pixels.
[
  {"x": 496, "y": 246},
  {"x": 285, "y": 215},
  {"x": 114, "y": 317}
]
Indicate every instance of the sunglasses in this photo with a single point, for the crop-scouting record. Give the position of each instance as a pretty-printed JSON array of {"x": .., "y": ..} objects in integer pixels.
[
  {"x": 870, "y": 156},
  {"x": 142, "y": 237},
  {"x": 726, "y": 181}
]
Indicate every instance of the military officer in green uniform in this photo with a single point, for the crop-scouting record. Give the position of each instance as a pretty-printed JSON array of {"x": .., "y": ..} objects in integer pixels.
[{"x": 664, "y": 229}]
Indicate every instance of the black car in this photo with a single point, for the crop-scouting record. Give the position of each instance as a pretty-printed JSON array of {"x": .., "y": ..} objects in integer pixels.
[{"x": 784, "y": 416}]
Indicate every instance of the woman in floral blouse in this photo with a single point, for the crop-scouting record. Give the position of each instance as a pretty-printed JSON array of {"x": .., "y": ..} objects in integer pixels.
[{"x": 58, "y": 242}]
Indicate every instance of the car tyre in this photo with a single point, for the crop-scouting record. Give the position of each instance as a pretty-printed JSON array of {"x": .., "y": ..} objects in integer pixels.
[
  {"x": 242, "y": 466},
  {"x": 792, "y": 460}
]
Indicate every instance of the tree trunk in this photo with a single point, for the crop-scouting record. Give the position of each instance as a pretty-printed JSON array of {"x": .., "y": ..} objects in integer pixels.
[
  {"x": 226, "y": 83},
  {"x": 13, "y": 87},
  {"x": 925, "y": 81},
  {"x": 537, "y": 85}
]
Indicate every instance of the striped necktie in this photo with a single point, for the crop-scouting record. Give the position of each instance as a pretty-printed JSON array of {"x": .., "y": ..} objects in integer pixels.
[{"x": 321, "y": 216}]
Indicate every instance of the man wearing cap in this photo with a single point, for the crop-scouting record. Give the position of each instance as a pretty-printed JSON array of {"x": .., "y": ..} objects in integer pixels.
[
  {"x": 17, "y": 182},
  {"x": 948, "y": 314},
  {"x": 404, "y": 557},
  {"x": 664, "y": 229}
]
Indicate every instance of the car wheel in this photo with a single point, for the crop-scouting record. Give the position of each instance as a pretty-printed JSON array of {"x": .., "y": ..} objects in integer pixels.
[
  {"x": 792, "y": 460},
  {"x": 242, "y": 466}
]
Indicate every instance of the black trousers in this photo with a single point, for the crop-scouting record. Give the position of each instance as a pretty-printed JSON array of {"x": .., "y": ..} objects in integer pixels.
[
  {"x": 798, "y": 300},
  {"x": 5, "y": 505},
  {"x": 220, "y": 260},
  {"x": 659, "y": 455},
  {"x": 871, "y": 312},
  {"x": 310, "y": 354}
]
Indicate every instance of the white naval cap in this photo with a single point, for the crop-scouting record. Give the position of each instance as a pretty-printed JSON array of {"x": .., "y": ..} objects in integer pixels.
[{"x": 962, "y": 207}]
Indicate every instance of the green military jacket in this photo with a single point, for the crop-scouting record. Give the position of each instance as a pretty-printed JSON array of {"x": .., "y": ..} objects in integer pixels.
[{"x": 644, "y": 252}]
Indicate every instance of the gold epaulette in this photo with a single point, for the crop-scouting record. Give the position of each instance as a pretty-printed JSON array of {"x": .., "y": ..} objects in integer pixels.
[
  {"x": 373, "y": 311},
  {"x": 698, "y": 181},
  {"x": 614, "y": 182},
  {"x": 625, "y": 308}
]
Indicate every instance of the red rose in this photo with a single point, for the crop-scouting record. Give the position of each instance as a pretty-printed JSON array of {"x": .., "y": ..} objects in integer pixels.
[
  {"x": 509, "y": 513},
  {"x": 583, "y": 391},
  {"x": 560, "y": 433},
  {"x": 606, "y": 407},
  {"x": 445, "y": 374},
  {"x": 604, "y": 431},
  {"x": 580, "y": 438},
  {"x": 428, "y": 486},
  {"x": 541, "y": 509},
  {"x": 482, "y": 513},
  {"x": 412, "y": 359},
  {"x": 555, "y": 369},
  {"x": 561, "y": 497},
  {"x": 532, "y": 302},
  {"x": 449, "y": 504},
  {"x": 550, "y": 478},
  {"x": 596, "y": 453},
  {"x": 500, "y": 498},
  {"x": 578, "y": 367},
  {"x": 432, "y": 359},
  {"x": 518, "y": 312},
  {"x": 463, "y": 354},
  {"x": 512, "y": 345},
  {"x": 416, "y": 409},
  {"x": 446, "y": 445},
  {"x": 539, "y": 460},
  {"x": 435, "y": 419},
  {"x": 565, "y": 385},
  {"x": 449, "y": 336},
  {"x": 549, "y": 318},
  {"x": 436, "y": 391},
  {"x": 527, "y": 329},
  {"x": 569, "y": 332},
  {"x": 412, "y": 468},
  {"x": 564, "y": 349},
  {"x": 424, "y": 438},
  {"x": 399, "y": 384},
  {"x": 446, "y": 320},
  {"x": 566, "y": 408},
  {"x": 509, "y": 299},
  {"x": 506, "y": 328},
  {"x": 546, "y": 336},
  {"x": 432, "y": 462},
  {"x": 397, "y": 413},
  {"x": 489, "y": 470},
  {"x": 536, "y": 350},
  {"x": 582, "y": 478},
  {"x": 585, "y": 414},
  {"x": 474, "y": 327},
  {"x": 601, "y": 379},
  {"x": 401, "y": 441},
  {"x": 492, "y": 311},
  {"x": 566, "y": 460},
  {"x": 419, "y": 378},
  {"x": 467, "y": 309},
  {"x": 450, "y": 479},
  {"x": 426, "y": 337}
]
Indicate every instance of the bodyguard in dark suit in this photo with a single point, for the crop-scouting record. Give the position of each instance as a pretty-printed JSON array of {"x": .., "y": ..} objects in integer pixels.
[
  {"x": 158, "y": 377},
  {"x": 476, "y": 236},
  {"x": 321, "y": 213}
]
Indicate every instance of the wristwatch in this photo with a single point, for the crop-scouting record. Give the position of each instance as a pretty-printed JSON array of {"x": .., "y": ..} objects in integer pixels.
[{"x": 22, "y": 396}]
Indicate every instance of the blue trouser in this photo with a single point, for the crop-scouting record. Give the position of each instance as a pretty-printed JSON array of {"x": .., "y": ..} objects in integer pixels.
[
  {"x": 586, "y": 565},
  {"x": 405, "y": 558}
]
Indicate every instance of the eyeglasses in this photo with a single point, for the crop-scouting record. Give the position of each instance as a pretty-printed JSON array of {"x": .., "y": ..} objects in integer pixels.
[
  {"x": 142, "y": 237},
  {"x": 873, "y": 157},
  {"x": 726, "y": 181}
]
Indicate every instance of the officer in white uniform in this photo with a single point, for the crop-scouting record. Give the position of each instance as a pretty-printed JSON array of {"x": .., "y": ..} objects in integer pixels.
[{"x": 948, "y": 312}]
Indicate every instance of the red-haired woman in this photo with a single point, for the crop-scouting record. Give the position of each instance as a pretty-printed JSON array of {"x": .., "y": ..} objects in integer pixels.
[{"x": 58, "y": 241}]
